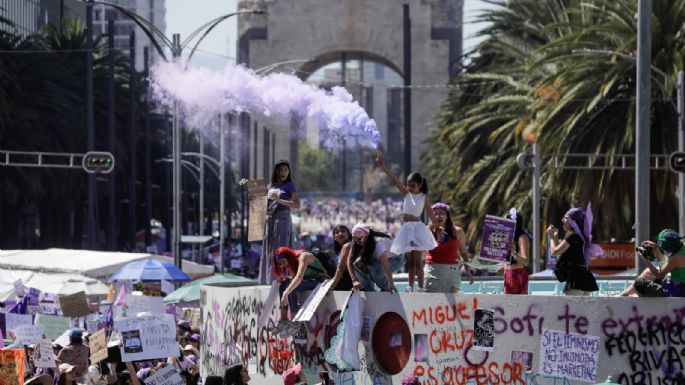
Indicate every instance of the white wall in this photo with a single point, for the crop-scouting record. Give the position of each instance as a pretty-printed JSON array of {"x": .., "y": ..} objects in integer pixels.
[{"x": 639, "y": 341}]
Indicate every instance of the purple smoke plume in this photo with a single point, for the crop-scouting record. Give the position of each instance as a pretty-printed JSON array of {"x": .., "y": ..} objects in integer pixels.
[{"x": 204, "y": 93}]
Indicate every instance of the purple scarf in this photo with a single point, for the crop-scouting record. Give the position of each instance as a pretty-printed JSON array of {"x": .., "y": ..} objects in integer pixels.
[{"x": 577, "y": 215}]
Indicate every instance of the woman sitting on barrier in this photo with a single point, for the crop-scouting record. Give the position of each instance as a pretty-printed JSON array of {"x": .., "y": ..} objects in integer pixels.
[
  {"x": 669, "y": 242},
  {"x": 575, "y": 252},
  {"x": 516, "y": 271},
  {"x": 371, "y": 261},
  {"x": 342, "y": 246},
  {"x": 442, "y": 270},
  {"x": 296, "y": 270}
]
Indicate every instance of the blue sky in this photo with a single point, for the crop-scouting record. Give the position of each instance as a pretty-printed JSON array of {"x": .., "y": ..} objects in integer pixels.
[{"x": 218, "y": 48}]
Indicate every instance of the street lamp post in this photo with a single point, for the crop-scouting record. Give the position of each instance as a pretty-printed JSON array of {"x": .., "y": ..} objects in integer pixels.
[{"x": 176, "y": 47}]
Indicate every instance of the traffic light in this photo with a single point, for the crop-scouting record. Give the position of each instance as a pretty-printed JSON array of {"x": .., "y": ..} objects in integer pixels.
[
  {"x": 678, "y": 161},
  {"x": 98, "y": 162}
]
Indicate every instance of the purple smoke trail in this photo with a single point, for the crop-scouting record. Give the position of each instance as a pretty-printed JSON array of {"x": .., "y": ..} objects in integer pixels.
[{"x": 203, "y": 94}]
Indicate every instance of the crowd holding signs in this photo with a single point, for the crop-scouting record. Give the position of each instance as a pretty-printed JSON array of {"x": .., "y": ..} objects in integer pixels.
[{"x": 65, "y": 340}]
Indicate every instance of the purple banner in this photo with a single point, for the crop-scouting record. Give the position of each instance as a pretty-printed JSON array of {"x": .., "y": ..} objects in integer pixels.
[{"x": 498, "y": 234}]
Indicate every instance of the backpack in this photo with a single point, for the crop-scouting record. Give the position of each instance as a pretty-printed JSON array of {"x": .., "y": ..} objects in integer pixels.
[{"x": 326, "y": 261}]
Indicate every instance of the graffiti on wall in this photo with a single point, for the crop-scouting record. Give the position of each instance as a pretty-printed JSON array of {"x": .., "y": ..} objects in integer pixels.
[{"x": 460, "y": 339}]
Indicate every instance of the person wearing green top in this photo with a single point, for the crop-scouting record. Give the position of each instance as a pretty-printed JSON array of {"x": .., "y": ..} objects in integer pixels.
[
  {"x": 669, "y": 242},
  {"x": 296, "y": 270}
]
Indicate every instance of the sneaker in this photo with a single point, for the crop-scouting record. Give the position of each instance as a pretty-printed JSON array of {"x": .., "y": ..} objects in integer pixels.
[
  {"x": 420, "y": 289},
  {"x": 409, "y": 289}
]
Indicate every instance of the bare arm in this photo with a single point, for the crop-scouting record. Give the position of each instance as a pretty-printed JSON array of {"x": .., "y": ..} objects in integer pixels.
[
  {"x": 464, "y": 252},
  {"x": 388, "y": 271},
  {"x": 304, "y": 260},
  {"x": 524, "y": 250},
  {"x": 132, "y": 370},
  {"x": 556, "y": 247},
  {"x": 293, "y": 203},
  {"x": 342, "y": 264},
  {"x": 427, "y": 206},
  {"x": 393, "y": 178},
  {"x": 350, "y": 269}
]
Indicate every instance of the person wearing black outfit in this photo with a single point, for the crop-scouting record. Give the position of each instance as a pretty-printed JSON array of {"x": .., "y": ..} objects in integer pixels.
[
  {"x": 574, "y": 252},
  {"x": 342, "y": 246}
]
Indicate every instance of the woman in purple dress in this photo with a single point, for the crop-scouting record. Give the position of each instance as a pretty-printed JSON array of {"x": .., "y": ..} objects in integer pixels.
[{"x": 278, "y": 229}]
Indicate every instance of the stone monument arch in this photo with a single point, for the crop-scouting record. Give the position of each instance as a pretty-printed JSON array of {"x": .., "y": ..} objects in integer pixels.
[{"x": 371, "y": 31}]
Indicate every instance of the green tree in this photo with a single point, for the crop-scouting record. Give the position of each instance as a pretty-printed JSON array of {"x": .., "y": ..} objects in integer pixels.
[
  {"x": 315, "y": 167},
  {"x": 525, "y": 82}
]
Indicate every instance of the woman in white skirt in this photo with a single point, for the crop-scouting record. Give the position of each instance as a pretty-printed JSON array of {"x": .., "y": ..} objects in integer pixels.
[{"x": 413, "y": 238}]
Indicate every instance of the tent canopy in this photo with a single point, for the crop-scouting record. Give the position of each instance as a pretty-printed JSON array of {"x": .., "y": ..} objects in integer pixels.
[
  {"x": 95, "y": 264},
  {"x": 190, "y": 292},
  {"x": 54, "y": 283}
]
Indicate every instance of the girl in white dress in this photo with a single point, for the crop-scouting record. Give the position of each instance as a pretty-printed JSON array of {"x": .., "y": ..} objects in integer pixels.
[{"x": 413, "y": 238}]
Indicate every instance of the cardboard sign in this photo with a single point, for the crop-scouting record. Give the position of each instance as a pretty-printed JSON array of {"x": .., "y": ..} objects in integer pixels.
[
  {"x": 29, "y": 334},
  {"x": 313, "y": 301},
  {"x": 98, "y": 346},
  {"x": 74, "y": 305},
  {"x": 192, "y": 315},
  {"x": 147, "y": 337},
  {"x": 53, "y": 326},
  {"x": 43, "y": 355},
  {"x": 10, "y": 321},
  {"x": 12, "y": 367},
  {"x": 498, "y": 235},
  {"x": 165, "y": 376},
  {"x": 256, "y": 192}
]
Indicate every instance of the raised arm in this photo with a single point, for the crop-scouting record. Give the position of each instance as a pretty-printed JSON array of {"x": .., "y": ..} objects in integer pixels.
[
  {"x": 393, "y": 177},
  {"x": 557, "y": 247},
  {"x": 427, "y": 206}
]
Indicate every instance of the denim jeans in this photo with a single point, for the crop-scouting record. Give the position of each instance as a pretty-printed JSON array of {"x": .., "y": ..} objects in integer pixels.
[
  {"x": 305, "y": 285},
  {"x": 376, "y": 272}
]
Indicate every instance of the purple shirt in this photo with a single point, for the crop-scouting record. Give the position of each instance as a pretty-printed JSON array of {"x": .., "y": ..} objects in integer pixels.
[{"x": 286, "y": 191}]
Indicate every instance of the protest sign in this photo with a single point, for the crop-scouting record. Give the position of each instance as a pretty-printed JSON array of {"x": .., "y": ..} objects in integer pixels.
[
  {"x": 147, "y": 337},
  {"x": 74, "y": 305},
  {"x": 167, "y": 287},
  {"x": 256, "y": 192},
  {"x": 269, "y": 304},
  {"x": 569, "y": 355},
  {"x": 10, "y": 321},
  {"x": 50, "y": 308},
  {"x": 144, "y": 303},
  {"x": 44, "y": 356},
  {"x": 29, "y": 334},
  {"x": 53, "y": 326},
  {"x": 12, "y": 367},
  {"x": 168, "y": 375},
  {"x": 95, "y": 322},
  {"x": 498, "y": 235},
  {"x": 313, "y": 301},
  {"x": 97, "y": 343},
  {"x": 33, "y": 310},
  {"x": 192, "y": 315}
]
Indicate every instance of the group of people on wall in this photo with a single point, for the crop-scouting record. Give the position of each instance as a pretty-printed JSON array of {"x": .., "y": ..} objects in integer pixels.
[{"x": 436, "y": 254}]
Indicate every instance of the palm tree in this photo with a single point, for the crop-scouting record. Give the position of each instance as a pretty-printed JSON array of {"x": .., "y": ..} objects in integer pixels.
[{"x": 525, "y": 82}]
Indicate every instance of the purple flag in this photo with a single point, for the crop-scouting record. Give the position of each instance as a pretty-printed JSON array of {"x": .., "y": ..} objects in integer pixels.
[{"x": 22, "y": 306}]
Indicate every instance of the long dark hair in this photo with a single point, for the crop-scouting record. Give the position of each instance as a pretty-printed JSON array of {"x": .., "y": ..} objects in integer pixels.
[
  {"x": 274, "y": 172},
  {"x": 416, "y": 177},
  {"x": 366, "y": 251},
  {"x": 232, "y": 375},
  {"x": 336, "y": 246},
  {"x": 519, "y": 231},
  {"x": 62, "y": 380},
  {"x": 449, "y": 225}
]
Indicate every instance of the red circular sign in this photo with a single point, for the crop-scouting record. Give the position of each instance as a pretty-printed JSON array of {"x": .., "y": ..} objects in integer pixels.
[{"x": 391, "y": 342}]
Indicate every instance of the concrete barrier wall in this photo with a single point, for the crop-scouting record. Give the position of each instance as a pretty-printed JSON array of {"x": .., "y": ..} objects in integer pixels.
[{"x": 577, "y": 340}]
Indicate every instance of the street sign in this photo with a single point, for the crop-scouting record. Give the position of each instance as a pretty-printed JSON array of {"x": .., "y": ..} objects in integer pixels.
[
  {"x": 677, "y": 161},
  {"x": 98, "y": 162}
]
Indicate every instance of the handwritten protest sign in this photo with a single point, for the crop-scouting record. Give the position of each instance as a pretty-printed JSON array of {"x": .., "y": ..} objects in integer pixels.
[
  {"x": 53, "y": 326},
  {"x": 498, "y": 235},
  {"x": 167, "y": 287},
  {"x": 12, "y": 367},
  {"x": 29, "y": 334},
  {"x": 569, "y": 355},
  {"x": 165, "y": 376},
  {"x": 10, "y": 321},
  {"x": 144, "y": 303},
  {"x": 44, "y": 356},
  {"x": 147, "y": 337},
  {"x": 95, "y": 322},
  {"x": 256, "y": 192},
  {"x": 313, "y": 301},
  {"x": 74, "y": 305},
  {"x": 192, "y": 315},
  {"x": 97, "y": 343}
]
